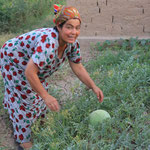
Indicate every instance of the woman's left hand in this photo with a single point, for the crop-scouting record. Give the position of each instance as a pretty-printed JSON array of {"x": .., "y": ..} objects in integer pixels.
[
  {"x": 82, "y": 74},
  {"x": 99, "y": 93}
]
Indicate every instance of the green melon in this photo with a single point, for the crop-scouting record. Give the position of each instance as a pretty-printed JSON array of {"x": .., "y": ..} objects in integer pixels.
[{"x": 98, "y": 116}]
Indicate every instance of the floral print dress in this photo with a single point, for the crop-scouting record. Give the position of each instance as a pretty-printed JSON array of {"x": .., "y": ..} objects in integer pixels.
[{"x": 23, "y": 104}]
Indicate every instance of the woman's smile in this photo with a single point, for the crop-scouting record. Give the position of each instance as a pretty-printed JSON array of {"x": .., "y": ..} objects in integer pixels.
[{"x": 70, "y": 31}]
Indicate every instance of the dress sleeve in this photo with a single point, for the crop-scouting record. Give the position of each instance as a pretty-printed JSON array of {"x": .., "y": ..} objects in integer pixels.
[
  {"x": 42, "y": 56},
  {"x": 75, "y": 55}
]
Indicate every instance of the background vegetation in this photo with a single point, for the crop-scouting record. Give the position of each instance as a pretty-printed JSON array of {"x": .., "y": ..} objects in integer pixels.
[{"x": 18, "y": 15}]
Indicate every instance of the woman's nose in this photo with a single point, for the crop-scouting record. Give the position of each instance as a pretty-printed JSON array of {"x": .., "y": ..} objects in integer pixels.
[{"x": 74, "y": 31}]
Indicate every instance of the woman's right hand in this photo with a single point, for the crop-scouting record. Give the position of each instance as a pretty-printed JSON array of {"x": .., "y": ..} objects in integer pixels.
[
  {"x": 52, "y": 103},
  {"x": 31, "y": 75}
]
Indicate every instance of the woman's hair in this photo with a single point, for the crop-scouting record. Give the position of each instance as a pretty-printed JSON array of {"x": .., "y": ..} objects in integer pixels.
[{"x": 60, "y": 25}]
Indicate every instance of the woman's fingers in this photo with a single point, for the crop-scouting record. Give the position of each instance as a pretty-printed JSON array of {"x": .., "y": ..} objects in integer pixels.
[
  {"x": 54, "y": 106},
  {"x": 52, "y": 103},
  {"x": 101, "y": 96}
]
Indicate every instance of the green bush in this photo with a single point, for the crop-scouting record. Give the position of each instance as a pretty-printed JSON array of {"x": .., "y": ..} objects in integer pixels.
[{"x": 20, "y": 14}]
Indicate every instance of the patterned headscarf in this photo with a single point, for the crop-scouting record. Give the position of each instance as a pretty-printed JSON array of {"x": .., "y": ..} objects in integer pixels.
[{"x": 63, "y": 13}]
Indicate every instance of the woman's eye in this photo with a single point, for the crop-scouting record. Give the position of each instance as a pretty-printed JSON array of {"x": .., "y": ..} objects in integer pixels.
[{"x": 68, "y": 27}]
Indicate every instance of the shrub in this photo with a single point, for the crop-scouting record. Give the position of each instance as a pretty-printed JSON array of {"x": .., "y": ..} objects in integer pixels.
[{"x": 20, "y": 14}]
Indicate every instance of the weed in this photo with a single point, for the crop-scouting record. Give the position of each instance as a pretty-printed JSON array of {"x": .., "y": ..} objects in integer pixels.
[{"x": 122, "y": 71}]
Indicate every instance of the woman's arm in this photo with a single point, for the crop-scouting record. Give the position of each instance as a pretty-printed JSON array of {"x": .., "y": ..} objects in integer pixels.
[
  {"x": 83, "y": 75},
  {"x": 31, "y": 75}
]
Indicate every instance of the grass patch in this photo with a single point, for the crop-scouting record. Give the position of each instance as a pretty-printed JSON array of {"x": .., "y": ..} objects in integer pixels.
[
  {"x": 19, "y": 15},
  {"x": 122, "y": 71}
]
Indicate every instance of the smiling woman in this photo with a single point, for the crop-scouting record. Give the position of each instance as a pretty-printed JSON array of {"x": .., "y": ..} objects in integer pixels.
[
  {"x": 27, "y": 60},
  {"x": 70, "y": 32}
]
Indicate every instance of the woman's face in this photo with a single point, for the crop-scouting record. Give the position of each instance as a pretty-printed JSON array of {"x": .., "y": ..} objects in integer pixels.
[{"x": 70, "y": 31}]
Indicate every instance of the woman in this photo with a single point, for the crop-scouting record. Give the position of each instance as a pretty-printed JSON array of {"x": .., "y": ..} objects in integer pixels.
[{"x": 27, "y": 60}]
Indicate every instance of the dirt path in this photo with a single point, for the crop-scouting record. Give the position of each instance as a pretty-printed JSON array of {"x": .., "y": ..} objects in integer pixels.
[
  {"x": 63, "y": 80},
  {"x": 6, "y": 138}
]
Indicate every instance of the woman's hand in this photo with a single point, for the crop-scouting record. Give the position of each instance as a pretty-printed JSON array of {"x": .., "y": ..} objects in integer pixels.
[
  {"x": 99, "y": 93},
  {"x": 52, "y": 103},
  {"x": 82, "y": 74},
  {"x": 31, "y": 74}
]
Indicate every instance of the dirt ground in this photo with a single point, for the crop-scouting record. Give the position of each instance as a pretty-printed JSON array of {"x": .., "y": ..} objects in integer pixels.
[{"x": 66, "y": 82}]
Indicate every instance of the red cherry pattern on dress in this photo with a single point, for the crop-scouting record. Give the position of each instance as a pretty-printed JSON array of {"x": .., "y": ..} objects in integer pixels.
[
  {"x": 10, "y": 44},
  {"x": 23, "y": 130},
  {"x": 33, "y": 49},
  {"x": 8, "y": 91},
  {"x": 48, "y": 45},
  {"x": 28, "y": 91},
  {"x": 9, "y": 77},
  {"x": 20, "y": 71},
  {"x": 33, "y": 38},
  {"x": 39, "y": 49},
  {"x": 28, "y": 46},
  {"x": 5, "y": 53},
  {"x": 27, "y": 126},
  {"x": 53, "y": 35},
  {"x": 21, "y": 137},
  {"x": 78, "y": 60},
  {"x": 12, "y": 115},
  {"x": 4, "y": 45},
  {"x": 23, "y": 83},
  {"x": 15, "y": 73},
  {"x": 12, "y": 110},
  {"x": 23, "y": 96},
  {"x": 43, "y": 38},
  {"x": 16, "y": 60},
  {"x": 12, "y": 99},
  {"x": 20, "y": 54},
  {"x": 11, "y": 54},
  {"x": 17, "y": 129},
  {"x": 2, "y": 55},
  {"x": 24, "y": 63},
  {"x": 53, "y": 45},
  {"x": 27, "y": 37},
  {"x": 41, "y": 63},
  {"x": 22, "y": 44},
  {"x": 22, "y": 108},
  {"x": 20, "y": 38},
  {"x": 20, "y": 117},
  {"x": 51, "y": 56},
  {"x": 18, "y": 87},
  {"x": 28, "y": 115},
  {"x": 15, "y": 95},
  {"x": 7, "y": 67}
]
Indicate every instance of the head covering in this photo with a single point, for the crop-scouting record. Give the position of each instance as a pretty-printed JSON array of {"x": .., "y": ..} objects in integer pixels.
[{"x": 63, "y": 13}]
